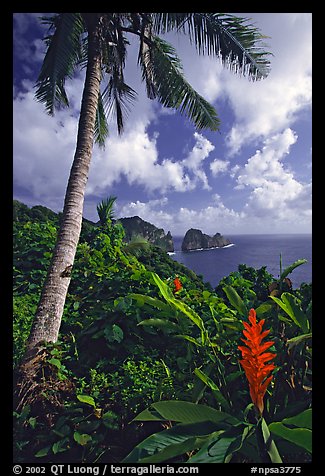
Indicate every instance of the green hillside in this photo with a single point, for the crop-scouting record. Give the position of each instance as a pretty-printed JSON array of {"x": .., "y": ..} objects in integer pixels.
[{"x": 146, "y": 370}]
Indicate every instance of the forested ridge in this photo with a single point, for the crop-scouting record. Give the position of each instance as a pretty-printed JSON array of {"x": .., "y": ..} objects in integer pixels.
[{"x": 146, "y": 368}]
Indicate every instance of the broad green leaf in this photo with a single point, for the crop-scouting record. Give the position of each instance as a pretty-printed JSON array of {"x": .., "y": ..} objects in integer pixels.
[
  {"x": 188, "y": 412},
  {"x": 297, "y": 340},
  {"x": 154, "y": 302},
  {"x": 269, "y": 443},
  {"x": 249, "y": 448},
  {"x": 86, "y": 399},
  {"x": 199, "y": 386},
  {"x": 59, "y": 446},
  {"x": 113, "y": 333},
  {"x": 181, "y": 306},
  {"x": 291, "y": 306},
  {"x": 206, "y": 295},
  {"x": 55, "y": 362},
  {"x": 81, "y": 439},
  {"x": 219, "y": 447},
  {"x": 43, "y": 452},
  {"x": 233, "y": 376},
  {"x": 63, "y": 431},
  {"x": 302, "y": 420},
  {"x": 235, "y": 300},
  {"x": 148, "y": 415},
  {"x": 189, "y": 312},
  {"x": 237, "y": 444},
  {"x": 214, "y": 387},
  {"x": 190, "y": 339},
  {"x": 232, "y": 323},
  {"x": 156, "y": 322},
  {"x": 236, "y": 436},
  {"x": 263, "y": 309},
  {"x": 290, "y": 268},
  {"x": 164, "y": 289},
  {"x": 299, "y": 436},
  {"x": 172, "y": 450},
  {"x": 171, "y": 442},
  {"x": 88, "y": 426},
  {"x": 118, "y": 333}
]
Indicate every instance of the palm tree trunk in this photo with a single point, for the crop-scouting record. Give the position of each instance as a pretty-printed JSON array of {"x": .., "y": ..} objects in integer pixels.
[
  {"x": 47, "y": 320},
  {"x": 48, "y": 316}
]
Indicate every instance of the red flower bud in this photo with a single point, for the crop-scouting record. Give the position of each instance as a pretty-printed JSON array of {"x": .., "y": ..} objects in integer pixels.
[
  {"x": 254, "y": 361},
  {"x": 178, "y": 285}
]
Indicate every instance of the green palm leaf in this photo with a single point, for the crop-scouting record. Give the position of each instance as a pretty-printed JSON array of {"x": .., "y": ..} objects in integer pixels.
[
  {"x": 237, "y": 42},
  {"x": 161, "y": 66},
  {"x": 63, "y": 55},
  {"x": 101, "y": 126},
  {"x": 105, "y": 210},
  {"x": 117, "y": 97}
]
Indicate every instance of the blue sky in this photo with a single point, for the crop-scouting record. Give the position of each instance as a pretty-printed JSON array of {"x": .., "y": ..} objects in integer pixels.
[{"x": 254, "y": 176}]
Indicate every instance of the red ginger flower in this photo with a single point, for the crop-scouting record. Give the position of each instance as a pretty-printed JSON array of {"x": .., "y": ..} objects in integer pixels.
[
  {"x": 255, "y": 358},
  {"x": 178, "y": 285}
]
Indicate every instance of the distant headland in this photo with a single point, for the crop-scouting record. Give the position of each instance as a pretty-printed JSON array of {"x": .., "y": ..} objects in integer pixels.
[
  {"x": 133, "y": 226},
  {"x": 196, "y": 240}
]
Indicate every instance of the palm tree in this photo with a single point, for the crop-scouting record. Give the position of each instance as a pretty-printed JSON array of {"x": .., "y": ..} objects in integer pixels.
[
  {"x": 98, "y": 42},
  {"x": 105, "y": 211}
]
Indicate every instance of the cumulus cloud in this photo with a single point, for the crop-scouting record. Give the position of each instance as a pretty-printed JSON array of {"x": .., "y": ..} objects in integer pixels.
[
  {"x": 211, "y": 219},
  {"x": 219, "y": 166},
  {"x": 275, "y": 193},
  {"x": 135, "y": 156},
  {"x": 265, "y": 165},
  {"x": 151, "y": 211},
  {"x": 44, "y": 147},
  {"x": 194, "y": 161},
  {"x": 274, "y": 103}
]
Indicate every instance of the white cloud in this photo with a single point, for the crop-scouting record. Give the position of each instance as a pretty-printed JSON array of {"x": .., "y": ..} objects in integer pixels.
[
  {"x": 151, "y": 211},
  {"x": 275, "y": 192},
  {"x": 135, "y": 156},
  {"x": 272, "y": 105},
  {"x": 199, "y": 153},
  {"x": 211, "y": 219},
  {"x": 265, "y": 165},
  {"x": 217, "y": 217},
  {"x": 43, "y": 148},
  {"x": 194, "y": 161},
  {"x": 219, "y": 166}
]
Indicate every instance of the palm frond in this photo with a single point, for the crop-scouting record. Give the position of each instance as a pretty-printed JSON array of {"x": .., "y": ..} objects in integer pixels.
[
  {"x": 101, "y": 126},
  {"x": 172, "y": 89},
  {"x": 145, "y": 58},
  {"x": 62, "y": 56},
  {"x": 105, "y": 210},
  {"x": 117, "y": 95},
  {"x": 237, "y": 42},
  {"x": 136, "y": 246}
]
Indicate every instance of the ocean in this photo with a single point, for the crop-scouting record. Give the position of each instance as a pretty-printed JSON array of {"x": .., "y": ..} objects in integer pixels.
[{"x": 253, "y": 250}]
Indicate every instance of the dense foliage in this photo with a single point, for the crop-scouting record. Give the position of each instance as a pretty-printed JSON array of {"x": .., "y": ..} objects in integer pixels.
[{"x": 146, "y": 373}]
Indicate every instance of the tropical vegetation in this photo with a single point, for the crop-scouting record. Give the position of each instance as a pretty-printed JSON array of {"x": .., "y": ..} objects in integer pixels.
[{"x": 150, "y": 363}]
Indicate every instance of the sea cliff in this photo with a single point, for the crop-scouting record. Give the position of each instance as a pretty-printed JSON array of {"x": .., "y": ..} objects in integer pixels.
[{"x": 195, "y": 240}]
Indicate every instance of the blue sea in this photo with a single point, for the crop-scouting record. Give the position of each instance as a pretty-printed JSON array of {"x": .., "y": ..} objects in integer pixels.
[{"x": 253, "y": 250}]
